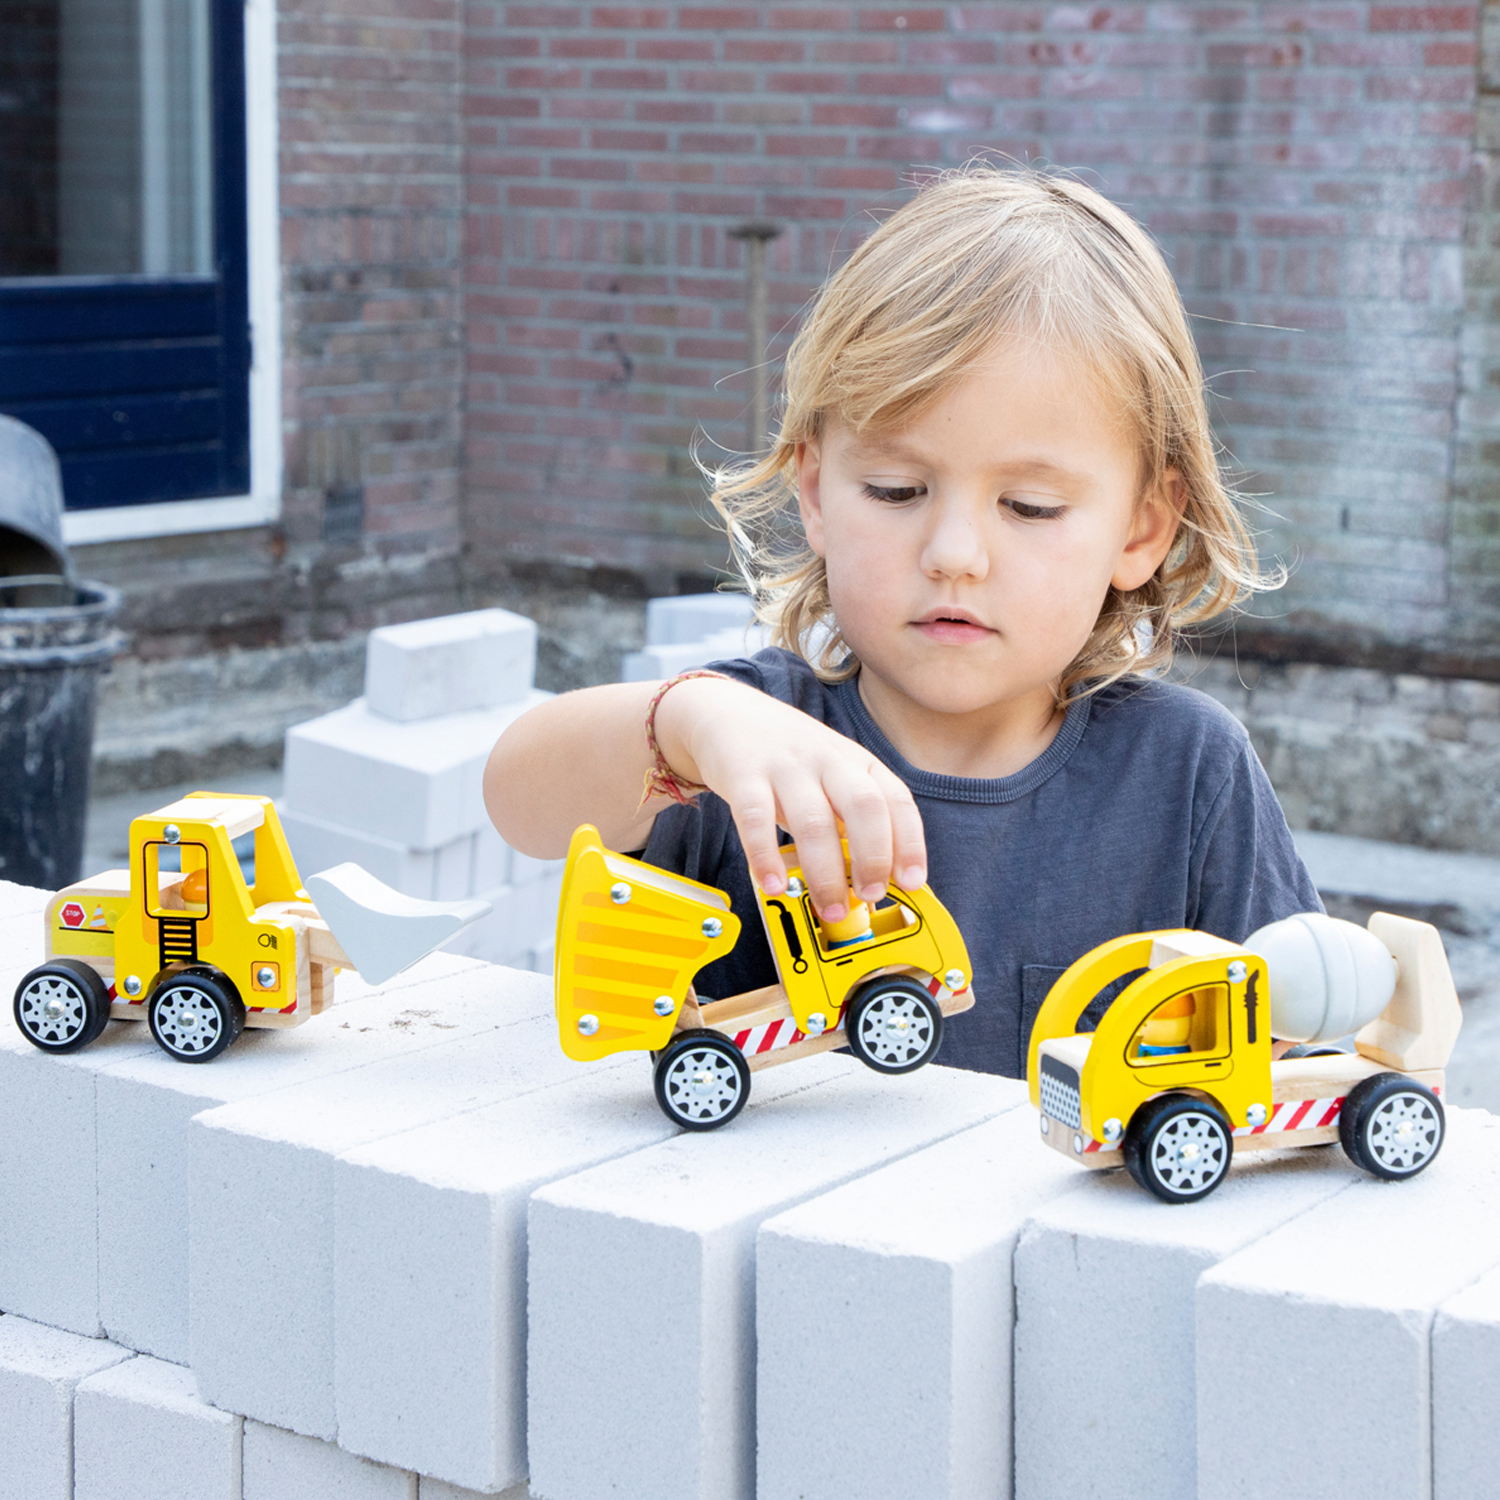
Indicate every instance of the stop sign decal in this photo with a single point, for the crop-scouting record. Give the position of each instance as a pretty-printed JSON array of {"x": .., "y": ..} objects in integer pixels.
[{"x": 72, "y": 914}]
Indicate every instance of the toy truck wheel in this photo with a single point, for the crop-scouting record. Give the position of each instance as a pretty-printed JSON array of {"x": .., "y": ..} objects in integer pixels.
[
  {"x": 1178, "y": 1147},
  {"x": 194, "y": 1016},
  {"x": 702, "y": 1080},
  {"x": 61, "y": 1006},
  {"x": 1391, "y": 1125},
  {"x": 894, "y": 1025}
]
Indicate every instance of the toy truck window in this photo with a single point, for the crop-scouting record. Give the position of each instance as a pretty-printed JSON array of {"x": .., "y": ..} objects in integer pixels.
[
  {"x": 1185, "y": 1028},
  {"x": 176, "y": 882},
  {"x": 892, "y": 918}
]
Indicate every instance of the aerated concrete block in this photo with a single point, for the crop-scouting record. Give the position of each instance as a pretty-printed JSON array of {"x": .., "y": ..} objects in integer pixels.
[
  {"x": 522, "y": 918},
  {"x": 885, "y": 1308},
  {"x": 682, "y": 618},
  {"x": 1315, "y": 1370},
  {"x": 281, "y": 1465},
  {"x": 667, "y": 661},
  {"x": 436, "y": 1489},
  {"x": 1105, "y": 1277},
  {"x": 139, "y": 1430},
  {"x": 642, "y": 1338},
  {"x": 261, "y": 1175},
  {"x": 144, "y": 1104},
  {"x": 415, "y": 784},
  {"x": 1465, "y": 1377},
  {"x": 39, "y": 1369},
  {"x": 317, "y": 845},
  {"x": 430, "y": 1270},
  {"x": 447, "y": 665}
]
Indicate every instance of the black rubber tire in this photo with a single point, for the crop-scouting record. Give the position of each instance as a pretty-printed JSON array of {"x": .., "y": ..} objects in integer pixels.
[
  {"x": 912, "y": 1030},
  {"x": 194, "y": 1014},
  {"x": 1392, "y": 1126},
  {"x": 80, "y": 994},
  {"x": 702, "y": 1080},
  {"x": 1178, "y": 1120}
]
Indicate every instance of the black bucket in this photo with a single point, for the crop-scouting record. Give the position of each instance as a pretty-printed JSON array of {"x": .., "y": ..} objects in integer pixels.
[{"x": 56, "y": 638}]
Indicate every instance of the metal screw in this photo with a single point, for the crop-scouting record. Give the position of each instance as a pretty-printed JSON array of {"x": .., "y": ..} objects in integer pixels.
[
  {"x": 619, "y": 893},
  {"x": 712, "y": 927},
  {"x": 588, "y": 1025},
  {"x": 1237, "y": 972},
  {"x": 954, "y": 979},
  {"x": 794, "y": 887},
  {"x": 665, "y": 1005},
  {"x": 1113, "y": 1130},
  {"x": 265, "y": 977},
  {"x": 1256, "y": 1115},
  {"x": 1077, "y": 1145},
  {"x": 817, "y": 1023},
  {"x": 171, "y": 833},
  {"x": 132, "y": 985},
  {"x": 1046, "y": 1125}
]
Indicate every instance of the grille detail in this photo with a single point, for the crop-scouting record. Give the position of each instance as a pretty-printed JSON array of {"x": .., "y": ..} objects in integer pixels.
[
  {"x": 1060, "y": 1093},
  {"x": 179, "y": 940}
]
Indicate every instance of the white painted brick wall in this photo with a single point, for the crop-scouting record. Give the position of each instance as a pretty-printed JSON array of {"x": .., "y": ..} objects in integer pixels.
[
  {"x": 1104, "y": 1280},
  {"x": 141, "y": 1433},
  {"x": 1313, "y": 1348},
  {"x": 884, "y": 1320},
  {"x": 1465, "y": 1378},
  {"x": 280, "y": 1465},
  {"x": 40, "y": 1368},
  {"x": 430, "y": 1322},
  {"x": 642, "y": 1339}
]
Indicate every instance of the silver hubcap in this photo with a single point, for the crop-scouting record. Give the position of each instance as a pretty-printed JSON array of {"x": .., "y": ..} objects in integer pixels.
[
  {"x": 1188, "y": 1152},
  {"x": 1402, "y": 1134},
  {"x": 895, "y": 1029},
  {"x": 187, "y": 1021},
  {"x": 53, "y": 1010},
  {"x": 702, "y": 1084}
]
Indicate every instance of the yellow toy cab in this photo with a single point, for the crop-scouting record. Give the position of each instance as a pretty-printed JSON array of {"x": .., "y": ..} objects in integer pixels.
[
  {"x": 631, "y": 938},
  {"x": 183, "y": 941},
  {"x": 1178, "y": 1075}
]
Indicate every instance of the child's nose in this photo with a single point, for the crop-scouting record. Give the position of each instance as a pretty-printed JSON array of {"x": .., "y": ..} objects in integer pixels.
[{"x": 955, "y": 547}]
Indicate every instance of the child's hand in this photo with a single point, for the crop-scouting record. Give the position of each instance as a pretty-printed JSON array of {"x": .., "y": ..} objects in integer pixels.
[{"x": 774, "y": 765}]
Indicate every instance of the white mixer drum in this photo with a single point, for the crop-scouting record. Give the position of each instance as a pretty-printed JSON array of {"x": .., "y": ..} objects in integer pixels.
[{"x": 1327, "y": 977}]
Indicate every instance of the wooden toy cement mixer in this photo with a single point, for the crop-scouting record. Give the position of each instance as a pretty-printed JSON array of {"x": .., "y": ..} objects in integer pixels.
[{"x": 1179, "y": 1074}]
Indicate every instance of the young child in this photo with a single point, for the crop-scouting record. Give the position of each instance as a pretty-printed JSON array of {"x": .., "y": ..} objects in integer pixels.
[{"x": 996, "y": 444}]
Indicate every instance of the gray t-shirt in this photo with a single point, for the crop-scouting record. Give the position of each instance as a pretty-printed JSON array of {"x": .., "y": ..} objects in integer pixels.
[{"x": 1148, "y": 810}]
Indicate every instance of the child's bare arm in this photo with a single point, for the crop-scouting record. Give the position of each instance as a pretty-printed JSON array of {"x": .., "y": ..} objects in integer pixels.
[{"x": 583, "y": 757}]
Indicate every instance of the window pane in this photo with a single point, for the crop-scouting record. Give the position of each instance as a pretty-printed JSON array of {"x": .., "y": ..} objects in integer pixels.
[{"x": 105, "y": 138}]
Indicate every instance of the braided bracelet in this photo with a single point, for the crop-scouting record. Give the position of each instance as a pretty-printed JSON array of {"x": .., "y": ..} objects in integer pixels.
[{"x": 661, "y": 779}]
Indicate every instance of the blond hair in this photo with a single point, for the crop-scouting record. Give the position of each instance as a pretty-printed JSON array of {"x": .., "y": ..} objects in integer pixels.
[{"x": 980, "y": 254}]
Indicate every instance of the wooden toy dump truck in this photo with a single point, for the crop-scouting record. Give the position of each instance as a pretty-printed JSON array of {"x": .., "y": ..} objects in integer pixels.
[
  {"x": 631, "y": 938},
  {"x": 1178, "y": 1075},
  {"x": 185, "y": 942}
]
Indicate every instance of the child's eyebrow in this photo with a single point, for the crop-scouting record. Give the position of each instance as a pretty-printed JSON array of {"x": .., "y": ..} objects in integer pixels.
[{"x": 1022, "y": 468}]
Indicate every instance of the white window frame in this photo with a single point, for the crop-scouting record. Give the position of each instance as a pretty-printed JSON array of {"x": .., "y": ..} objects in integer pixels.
[{"x": 263, "y": 503}]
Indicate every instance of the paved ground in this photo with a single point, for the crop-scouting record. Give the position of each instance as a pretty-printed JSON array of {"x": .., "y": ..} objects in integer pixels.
[{"x": 1458, "y": 893}]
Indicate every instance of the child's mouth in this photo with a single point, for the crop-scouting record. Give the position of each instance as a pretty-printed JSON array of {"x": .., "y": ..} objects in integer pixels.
[{"x": 952, "y": 629}]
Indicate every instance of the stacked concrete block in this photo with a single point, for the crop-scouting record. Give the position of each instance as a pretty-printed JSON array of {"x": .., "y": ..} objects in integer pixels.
[
  {"x": 281, "y": 1465},
  {"x": 40, "y": 1368},
  {"x": 261, "y": 1190},
  {"x": 642, "y": 1338},
  {"x": 393, "y": 781},
  {"x": 1105, "y": 1278},
  {"x": 1315, "y": 1344},
  {"x": 885, "y": 1307},
  {"x": 144, "y": 1102},
  {"x": 1465, "y": 1376},
  {"x": 140, "y": 1430},
  {"x": 690, "y": 630},
  {"x": 430, "y": 1321}
]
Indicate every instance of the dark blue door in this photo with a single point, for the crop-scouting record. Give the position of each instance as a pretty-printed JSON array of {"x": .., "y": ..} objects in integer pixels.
[{"x": 124, "y": 323}]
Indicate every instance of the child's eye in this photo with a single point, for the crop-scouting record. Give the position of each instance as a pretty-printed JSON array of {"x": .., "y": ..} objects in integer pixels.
[
  {"x": 894, "y": 494},
  {"x": 1028, "y": 510}
]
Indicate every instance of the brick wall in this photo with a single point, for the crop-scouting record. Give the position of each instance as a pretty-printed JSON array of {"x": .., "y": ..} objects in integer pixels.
[
  {"x": 371, "y": 205},
  {"x": 28, "y": 137},
  {"x": 1306, "y": 167}
]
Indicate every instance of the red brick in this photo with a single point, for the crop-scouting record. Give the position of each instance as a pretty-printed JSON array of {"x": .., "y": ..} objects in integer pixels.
[
  {"x": 1423, "y": 18},
  {"x": 829, "y": 18},
  {"x": 674, "y": 49},
  {"x": 719, "y": 17},
  {"x": 588, "y": 46},
  {"x": 858, "y": 50},
  {"x": 672, "y": 112},
  {"x": 807, "y": 145},
  {"x": 644, "y": 17},
  {"x": 628, "y": 79}
]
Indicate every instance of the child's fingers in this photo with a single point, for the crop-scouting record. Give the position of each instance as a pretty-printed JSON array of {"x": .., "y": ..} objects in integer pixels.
[
  {"x": 809, "y": 818},
  {"x": 908, "y": 838},
  {"x": 866, "y": 814},
  {"x": 753, "y": 808}
]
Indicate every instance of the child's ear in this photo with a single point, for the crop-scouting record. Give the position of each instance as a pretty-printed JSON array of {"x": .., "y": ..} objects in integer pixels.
[
  {"x": 1153, "y": 529},
  {"x": 809, "y": 497}
]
